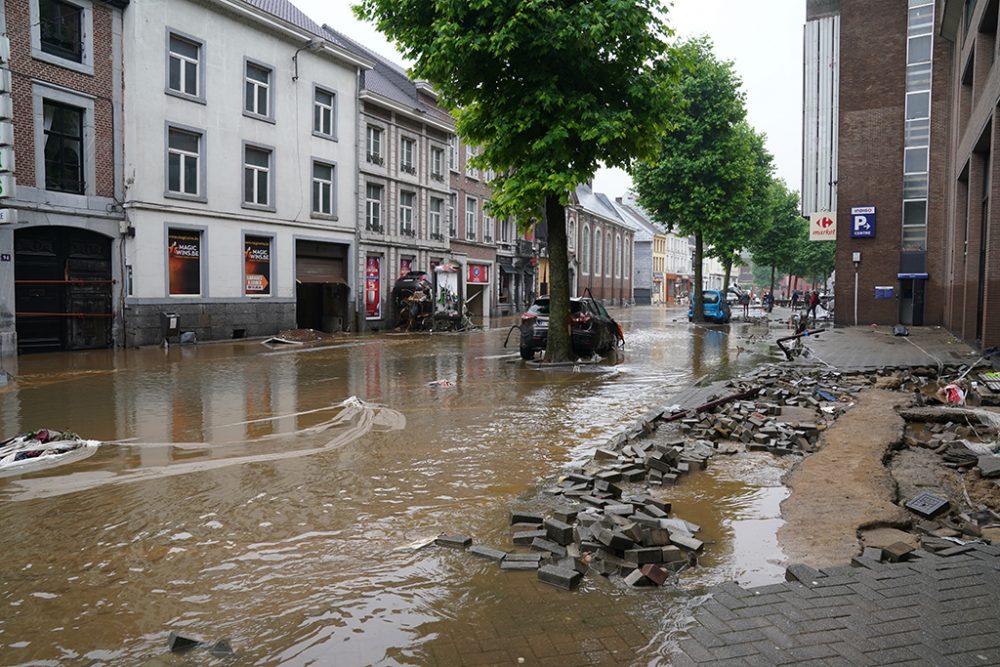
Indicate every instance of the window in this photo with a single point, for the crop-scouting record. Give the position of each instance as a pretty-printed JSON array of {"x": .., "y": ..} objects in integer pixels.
[
  {"x": 598, "y": 247},
  {"x": 505, "y": 230},
  {"x": 919, "y": 50},
  {"x": 184, "y": 67},
  {"x": 373, "y": 208},
  {"x": 618, "y": 256},
  {"x": 407, "y": 148},
  {"x": 471, "y": 206},
  {"x": 183, "y": 262},
  {"x": 183, "y": 163},
  {"x": 437, "y": 164},
  {"x": 609, "y": 257},
  {"x": 323, "y": 105},
  {"x": 374, "y": 145},
  {"x": 452, "y": 205},
  {"x": 435, "y": 218},
  {"x": 571, "y": 234},
  {"x": 257, "y": 90},
  {"x": 63, "y": 147},
  {"x": 918, "y": 105},
  {"x": 406, "y": 200},
  {"x": 586, "y": 250},
  {"x": 453, "y": 153},
  {"x": 256, "y": 176},
  {"x": 488, "y": 223},
  {"x": 915, "y": 160},
  {"x": 257, "y": 265},
  {"x": 61, "y": 31},
  {"x": 470, "y": 171},
  {"x": 322, "y": 188}
]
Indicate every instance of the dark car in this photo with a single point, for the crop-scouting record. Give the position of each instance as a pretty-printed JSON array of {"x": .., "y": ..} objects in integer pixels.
[
  {"x": 412, "y": 298},
  {"x": 592, "y": 329}
]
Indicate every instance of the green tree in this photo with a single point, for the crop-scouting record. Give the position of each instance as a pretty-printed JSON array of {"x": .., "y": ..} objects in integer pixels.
[
  {"x": 549, "y": 90},
  {"x": 701, "y": 179},
  {"x": 780, "y": 244}
]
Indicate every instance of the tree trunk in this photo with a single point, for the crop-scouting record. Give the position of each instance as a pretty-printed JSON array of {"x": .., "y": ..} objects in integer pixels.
[
  {"x": 697, "y": 298},
  {"x": 728, "y": 265},
  {"x": 559, "y": 346},
  {"x": 771, "y": 291}
]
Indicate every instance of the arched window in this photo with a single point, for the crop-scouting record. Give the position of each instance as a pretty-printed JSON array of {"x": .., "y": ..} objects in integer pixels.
[
  {"x": 598, "y": 247},
  {"x": 609, "y": 256},
  {"x": 585, "y": 258},
  {"x": 618, "y": 255},
  {"x": 571, "y": 232}
]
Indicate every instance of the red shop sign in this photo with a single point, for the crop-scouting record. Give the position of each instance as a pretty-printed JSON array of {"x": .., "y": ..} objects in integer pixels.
[
  {"x": 373, "y": 288},
  {"x": 479, "y": 274}
]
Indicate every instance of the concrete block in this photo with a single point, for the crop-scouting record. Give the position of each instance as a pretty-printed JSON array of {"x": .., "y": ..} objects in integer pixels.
[
  {"x": 654, "y": 511},
  {"x": 658, "y": 537},
  {"x": 559, "y": 532},
  {"x": 534, "y": 557},
  {"x": 559, "y": 577},
  {"x": 526, "y": 517},
  {"x": 528, "y": 537},
  {"x": 655, "y": 574},
  {"x": 644, "y": 555},
  {"x": 633, "y": 474},
  {"x": 897, "y": 551},
  {"x": 614, "y": 540},
  {"x": 686, "y": 542},
  {"x": 507, "y": 564},
  {"x": 542, "y": 544},
  {"x": 619, "y": 509},
  {"x": 222, "y": 649},
  {"x": 488, "y": 553},
  {"x": 601, "y": 454},
  {"x": 593, "y": 500},
  {"x": 873, "y": 553},
  {"x": 454, "y": 541},
  {"x": 608, "y": 488},
  {"x": 989, "y": 466},
  {"x": 609, "y": 476},
  {"x": 637, "y": 578},
  {"x": 179, "y": 643},
  {"x": 565, "y": 514},
  {"x": 672, "y": 554}
]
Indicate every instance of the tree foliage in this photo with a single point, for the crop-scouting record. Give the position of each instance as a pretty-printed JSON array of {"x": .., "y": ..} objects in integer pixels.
[
  {"x": 781, "y": 241},
  {"x": 549, "y": 90},
  {"x": 710, "y": 172}
]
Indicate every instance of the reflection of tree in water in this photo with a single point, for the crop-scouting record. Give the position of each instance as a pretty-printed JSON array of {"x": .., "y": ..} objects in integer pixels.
[{"x": 707, "y": 346}]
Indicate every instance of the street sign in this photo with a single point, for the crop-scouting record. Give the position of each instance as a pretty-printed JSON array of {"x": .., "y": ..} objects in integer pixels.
[
  {"x": 863, "y": 222},
  {"x": 823, "y": 226}
]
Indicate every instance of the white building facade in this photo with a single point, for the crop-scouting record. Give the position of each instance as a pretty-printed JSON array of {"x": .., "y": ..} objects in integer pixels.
[
  {"x": 820, "y": 106},
  {"x": 240, "y": 170}
]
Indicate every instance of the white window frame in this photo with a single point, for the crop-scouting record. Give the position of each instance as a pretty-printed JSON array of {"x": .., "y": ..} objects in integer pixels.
[
  {"x": 373, "y": 207},
  {"x": 257, "y": 170},
  {"x": 330, "y": 109},
  {"x": 453, "y": 215},
  {"x": 434, "y": 217},
  {"x": 505, "y": 230},
  {"x": 256, "y": 85},
  {"x": 374, "y": 135},
  {"x": 598, "y": 251},
  {"x": 437, "y": 163},
  {"x": 453, "y": 152},
  {"x": 407, "y": 213},
  {"x": 407, "y": 156},
  {"x": 86, "y": 65},
  {"x": 471, "y": 215},
  {"x": 470, "y": 171},
  {"x": 587, "y": 244},
  {"x": 199, "y": 96},
  {"x": 321, "y": 184},
  {"x": 199, "y": 196},
  {"x": 609, "y": 257},
  {"x": 618, "y": 256}
]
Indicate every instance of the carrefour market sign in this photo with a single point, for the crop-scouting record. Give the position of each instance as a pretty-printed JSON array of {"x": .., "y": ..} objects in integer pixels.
[{"x": 823, "y": 226}]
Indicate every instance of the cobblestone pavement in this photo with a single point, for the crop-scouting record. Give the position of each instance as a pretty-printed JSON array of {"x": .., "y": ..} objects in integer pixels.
[
  {"x": 934, "y": 609},
  {"x": 865, "y": 348}
]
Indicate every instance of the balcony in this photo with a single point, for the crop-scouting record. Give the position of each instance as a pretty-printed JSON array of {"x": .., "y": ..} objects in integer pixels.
[
  {"x": 438, "y": 177},
  {"x": 437, "y": 236},
  {"x": 408, "y": 169},
  {"x": 373, "y": 227},
  {"x": 488, "y": 240},
  {"x": 376, "y": 159},
  {"x": 407, "y": 231}
]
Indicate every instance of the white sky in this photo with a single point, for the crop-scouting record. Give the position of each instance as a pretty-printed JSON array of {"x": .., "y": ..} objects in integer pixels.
[{"x": 762, "y": 37}]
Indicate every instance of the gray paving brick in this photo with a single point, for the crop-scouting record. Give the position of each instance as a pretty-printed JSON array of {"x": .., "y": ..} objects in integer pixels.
[
  {"x": 694, "y": 650},
  {"x": 748, "y": 623},
  {"x": 711, "y": 622},
  {"x": 814, "y": 652},
  {"x": 850, "y": 652},
  {"x": 719, "y": 611},
  {"x": 816, "y": 638},
  {"x": 821, "y": 624},
  {"x": 774, "y": 653},
  {"x": 890, "y": 655},
  {"x": 705, "y": 637},
  {"x": 733, "y": 651},
  {"x": 743, "y": 636}
]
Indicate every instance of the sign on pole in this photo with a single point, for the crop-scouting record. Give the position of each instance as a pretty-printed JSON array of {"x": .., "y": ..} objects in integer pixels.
[
  {"x": 823, "y": 226},
  {"x": 863, "y": 222}
]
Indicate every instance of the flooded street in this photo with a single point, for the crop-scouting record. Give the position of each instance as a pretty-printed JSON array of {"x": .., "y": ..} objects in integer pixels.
[{"x": 263, "y": 495}]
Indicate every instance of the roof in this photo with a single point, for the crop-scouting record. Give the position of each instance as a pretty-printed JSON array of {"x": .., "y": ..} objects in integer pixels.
[
  {"x": 598, "y": 204},
  {"x": 295, "y": 17},
  {"x": 389, "y": 80},
  {"x": 645, "y": 232}
]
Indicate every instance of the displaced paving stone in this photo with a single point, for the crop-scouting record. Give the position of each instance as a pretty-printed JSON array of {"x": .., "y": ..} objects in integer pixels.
[
  {"x": 637, "y": 578},
  {"x": 928, "y": 505},
  {"x": 453, "y": 541},
  {"x": 686, "y": 542},
  {"x": 654, "y": 573},
  {"x": 897, "y": 551},
  {"x": 559, "y": 577},
  {"x": 989, "y": 466},
  {"x": 222, "y": 649},
  {"x": 179, "y": 643},
  {"x": 527, "y": 537},
  {"x": 559, "y": 532},
  {"x": 541, "y": 544},
  {"x": 526, "y": 517},
  {"x": 488, "y": 553},
  {"x": 507, "y": 564}
]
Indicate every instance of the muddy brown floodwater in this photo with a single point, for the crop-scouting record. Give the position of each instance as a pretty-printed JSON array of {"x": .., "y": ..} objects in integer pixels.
[{"x": 262, "y": 495}]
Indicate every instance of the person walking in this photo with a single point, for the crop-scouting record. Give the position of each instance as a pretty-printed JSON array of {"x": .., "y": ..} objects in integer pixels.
[
  {"x": 744, "y": 298},
  {"x": 813, "y": 305}
]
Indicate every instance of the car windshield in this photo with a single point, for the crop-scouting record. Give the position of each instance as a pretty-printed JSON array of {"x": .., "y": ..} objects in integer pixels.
[
  {"x": 541, "y": 307},
  {"x": 711, "y": 297}
]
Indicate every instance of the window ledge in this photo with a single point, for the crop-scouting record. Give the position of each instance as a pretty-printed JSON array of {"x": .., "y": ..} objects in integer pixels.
[
  {"x": 258, "y": 207},
  {"x": 255, "y": 116},
  {"x": 184, "y": 96},
  {"x": 323, "y": 216},
  {"x": 52, "y": 59},
  {"x": 167, "y": 194},
  {"x": 328, "y": 137}
]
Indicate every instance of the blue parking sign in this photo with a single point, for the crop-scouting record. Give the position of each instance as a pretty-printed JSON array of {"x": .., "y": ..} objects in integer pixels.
[{"x": 863, "y": 222}]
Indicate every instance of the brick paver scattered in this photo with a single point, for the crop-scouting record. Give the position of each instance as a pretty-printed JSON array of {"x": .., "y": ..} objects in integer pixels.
[{"x": 929, "y": 610}]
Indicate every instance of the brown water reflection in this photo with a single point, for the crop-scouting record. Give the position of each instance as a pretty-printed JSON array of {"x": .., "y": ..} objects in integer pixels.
[{"x": 223, "y": 510}]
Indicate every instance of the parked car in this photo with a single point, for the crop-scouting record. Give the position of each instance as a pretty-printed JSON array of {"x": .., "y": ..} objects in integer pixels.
[
  {"x": 715, "y": 307},
  {"x": 592, "y": 330}
]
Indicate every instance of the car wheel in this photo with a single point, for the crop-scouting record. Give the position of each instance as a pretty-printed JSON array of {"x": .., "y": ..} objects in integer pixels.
[{"x": 527, "y": 353}]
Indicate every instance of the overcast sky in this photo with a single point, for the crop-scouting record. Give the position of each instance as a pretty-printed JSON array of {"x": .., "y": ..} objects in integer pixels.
[{"x": 763, "y": 38}]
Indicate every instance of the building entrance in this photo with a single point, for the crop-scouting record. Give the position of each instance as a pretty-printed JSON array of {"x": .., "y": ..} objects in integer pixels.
[{"x": 63, "y": 289}]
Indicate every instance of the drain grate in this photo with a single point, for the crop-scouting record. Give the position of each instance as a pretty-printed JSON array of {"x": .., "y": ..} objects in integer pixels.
[{"x": 927, "y": 505}]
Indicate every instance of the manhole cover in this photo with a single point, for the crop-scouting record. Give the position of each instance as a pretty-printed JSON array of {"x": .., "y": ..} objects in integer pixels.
[{"x": 927, "y": 505}]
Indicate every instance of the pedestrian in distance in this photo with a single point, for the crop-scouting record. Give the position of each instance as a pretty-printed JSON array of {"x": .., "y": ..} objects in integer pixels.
[
  {"x": 795, "y": 301},
  {"x": 745, "y": 302},
  {"x": 813, "y": 305}
]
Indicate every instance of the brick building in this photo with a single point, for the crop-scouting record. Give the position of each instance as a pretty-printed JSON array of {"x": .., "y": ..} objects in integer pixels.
[
  {"x": 62, "y": 225},
  {"x": 916, "y": 168},
  {"x": 602, "y": 254}
]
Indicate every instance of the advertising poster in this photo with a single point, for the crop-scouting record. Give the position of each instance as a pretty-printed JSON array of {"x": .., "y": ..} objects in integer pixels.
[
  {"x": 257, "y": 265},
  {"x": 373, "y": 288},
  {"x": 184, "y": 262},
  {"x": 479, "y": 274},
  {"x": 405, "y": 265}
]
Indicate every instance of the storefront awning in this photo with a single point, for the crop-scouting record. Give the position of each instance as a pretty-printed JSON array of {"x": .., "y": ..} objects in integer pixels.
[{"x": 509, "y": 270}]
